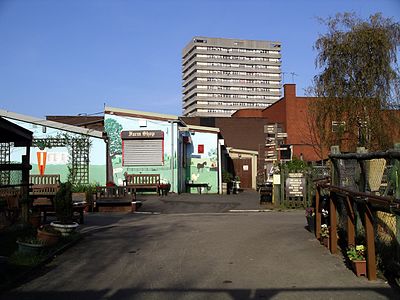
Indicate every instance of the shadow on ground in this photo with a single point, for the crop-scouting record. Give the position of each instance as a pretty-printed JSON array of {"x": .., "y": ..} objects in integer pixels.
[{"x": 174, "y": 293}]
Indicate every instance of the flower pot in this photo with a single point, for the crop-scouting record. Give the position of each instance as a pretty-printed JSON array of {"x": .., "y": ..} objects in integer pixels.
[
  {"x": 359, "y": 267},
  {"x": 34, "y": 220},
  {"x": 326, "y": 242},
  {"x": 29, "y": 249},
  {"x": 48, "y": 238},
  {"x": 65, "y": 229},
  {"x": 224, "y": 188}
]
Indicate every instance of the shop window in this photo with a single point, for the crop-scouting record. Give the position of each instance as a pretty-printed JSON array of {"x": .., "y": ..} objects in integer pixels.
[{"x": 142, "y": 148}]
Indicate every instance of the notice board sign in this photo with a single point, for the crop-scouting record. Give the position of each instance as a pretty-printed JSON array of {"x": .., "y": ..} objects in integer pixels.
[{"x": 295, "y": 185}]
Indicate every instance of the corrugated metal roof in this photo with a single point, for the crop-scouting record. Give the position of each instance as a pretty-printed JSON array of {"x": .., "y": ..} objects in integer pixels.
[{"x": 51, "y": 124}]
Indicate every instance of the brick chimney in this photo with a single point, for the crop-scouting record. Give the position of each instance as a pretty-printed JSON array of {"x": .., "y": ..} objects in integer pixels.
[{"x": 289, "y": 90}]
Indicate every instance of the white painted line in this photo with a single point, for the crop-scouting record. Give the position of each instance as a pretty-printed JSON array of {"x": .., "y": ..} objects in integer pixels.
[
  {"x": 249, "y": 210},
  {"x": 146, "y": 212}
]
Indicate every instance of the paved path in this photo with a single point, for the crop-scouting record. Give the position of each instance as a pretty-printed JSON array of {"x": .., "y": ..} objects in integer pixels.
[{"x": 208, "y": 255}]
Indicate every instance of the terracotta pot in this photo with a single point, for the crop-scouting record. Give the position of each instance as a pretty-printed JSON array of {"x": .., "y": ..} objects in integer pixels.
[
  {"x": 359, "y": 267},
  {"x": 34, "y": 220},
  {"x": 48, "y": 238},
  {"x": 325, "y": 242}
]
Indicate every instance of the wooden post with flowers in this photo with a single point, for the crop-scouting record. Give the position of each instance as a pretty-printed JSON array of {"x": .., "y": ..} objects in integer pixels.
[
  {"x": 333, "y": 222},
  {"x": 317, "y": 213},
  {"x": 369, "y": 236}
]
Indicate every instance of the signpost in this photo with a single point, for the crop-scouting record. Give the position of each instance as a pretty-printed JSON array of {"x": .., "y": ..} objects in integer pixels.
[{"x": 295, "y": 187}]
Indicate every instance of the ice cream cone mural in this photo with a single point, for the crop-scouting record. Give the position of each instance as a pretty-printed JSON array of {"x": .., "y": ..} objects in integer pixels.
[{"x": 41, "y": 157}]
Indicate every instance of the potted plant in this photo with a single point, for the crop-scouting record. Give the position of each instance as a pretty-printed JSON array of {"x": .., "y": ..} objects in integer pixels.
[
  {"x": 226, "y": 182},
  {"x": 48, "y": 235},
  {"x": 30, "y": 245},
  {"x": 310, "y": 216},
  {"x": 64, "y": 210},
  {"x": 34, "y": 217},
  {"x": 356, "y": 254},
  {"x": 236, "y": 184},
  {"x": 325, "y": 235}
]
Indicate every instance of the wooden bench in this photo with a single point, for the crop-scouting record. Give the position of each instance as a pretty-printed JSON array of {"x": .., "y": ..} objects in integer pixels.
[
  {"x": 12, "y": 197},
  {"x": 135, "y": 182},
  {"x": 44, "y": 185},
  {"x": 114, "y": 198}
]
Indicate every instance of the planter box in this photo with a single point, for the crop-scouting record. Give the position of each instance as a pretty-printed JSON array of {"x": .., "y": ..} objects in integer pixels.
[
  {"x": 29, "y": 249},
  {"x": 359, "y": 267}
]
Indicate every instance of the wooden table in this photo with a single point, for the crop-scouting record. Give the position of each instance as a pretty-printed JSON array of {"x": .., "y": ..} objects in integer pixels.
[
  {"x": 46, "y": 206},
  {"x": 197, "y": 185},
  {"x": 163, "y": 189}
]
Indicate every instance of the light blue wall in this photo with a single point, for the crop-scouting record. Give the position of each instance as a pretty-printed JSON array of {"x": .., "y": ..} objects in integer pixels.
[{"x": 58, "y": 157}]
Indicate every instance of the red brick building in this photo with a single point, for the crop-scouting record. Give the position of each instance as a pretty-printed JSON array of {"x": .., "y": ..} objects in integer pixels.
[{"x": 291, "y": 113}]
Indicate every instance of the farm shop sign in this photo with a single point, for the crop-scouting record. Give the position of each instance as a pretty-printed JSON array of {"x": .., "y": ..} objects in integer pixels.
[
  {"x": 295, "y": 185},
  {"x": 142, "y": 134}
]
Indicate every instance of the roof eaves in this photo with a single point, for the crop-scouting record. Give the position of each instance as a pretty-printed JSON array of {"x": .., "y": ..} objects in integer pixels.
[
  {"x": 140, "y": 114},
  {"x": 51, "y": 124}
]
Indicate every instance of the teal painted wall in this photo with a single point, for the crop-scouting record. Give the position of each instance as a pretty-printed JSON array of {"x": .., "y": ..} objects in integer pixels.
[
  {"x": 168, "y": 171},
  {"x": 203, "y": 167},
  {"x": 198, "y": 167}
]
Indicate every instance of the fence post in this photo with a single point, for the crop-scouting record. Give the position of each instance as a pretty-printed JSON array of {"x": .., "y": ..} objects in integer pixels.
[
  {"x": 397, "y": 162},
  {"x": 333, "y": 222},
  {"x": 335, "y": 170},
  {"x": 283, "y": 194},
  {"x": 317, "y": 213},
  {"x": 350, "y": 222},
  {"x": 369, "y": 236}
]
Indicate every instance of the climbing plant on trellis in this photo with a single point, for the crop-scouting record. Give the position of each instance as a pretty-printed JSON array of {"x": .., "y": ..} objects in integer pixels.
[{"x": 78, "y": 148}]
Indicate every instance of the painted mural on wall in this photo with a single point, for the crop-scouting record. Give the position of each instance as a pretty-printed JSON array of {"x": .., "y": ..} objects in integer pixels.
[
  {"x": 58, "y": 158},
  {"x": 115, "y": 125},
  {"x": 203, "y": 160}
]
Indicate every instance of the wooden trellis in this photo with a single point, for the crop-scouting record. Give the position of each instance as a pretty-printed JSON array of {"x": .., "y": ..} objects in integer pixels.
[
  {"x": 5, "y": 159},
  {"x": 79, "y": 155}
]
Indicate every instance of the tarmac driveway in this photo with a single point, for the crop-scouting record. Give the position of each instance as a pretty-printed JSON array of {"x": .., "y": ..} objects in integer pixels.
[{"x": 210, "y": 255}]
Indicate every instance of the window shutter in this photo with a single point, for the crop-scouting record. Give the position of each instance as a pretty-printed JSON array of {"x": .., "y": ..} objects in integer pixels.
[{"x": 143, "y": 152}]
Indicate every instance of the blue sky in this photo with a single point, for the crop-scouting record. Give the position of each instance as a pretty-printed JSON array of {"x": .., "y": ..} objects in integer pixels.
[{"x": 69, "y": 57}]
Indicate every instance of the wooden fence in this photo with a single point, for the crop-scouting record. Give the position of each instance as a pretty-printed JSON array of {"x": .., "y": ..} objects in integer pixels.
[{"x": 362, "y": 205}]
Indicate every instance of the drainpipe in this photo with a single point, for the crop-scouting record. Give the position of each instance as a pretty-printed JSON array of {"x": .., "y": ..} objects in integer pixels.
[
  {"x": 172, "y": 157},
  {"x": 220, "y": 143}
]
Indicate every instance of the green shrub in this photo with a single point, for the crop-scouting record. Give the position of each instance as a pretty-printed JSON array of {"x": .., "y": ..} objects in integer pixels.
[{"x": 63, "y": 203}]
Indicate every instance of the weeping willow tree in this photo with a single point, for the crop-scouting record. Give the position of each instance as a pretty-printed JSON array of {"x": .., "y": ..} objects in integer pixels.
[{"x": 358, "y": 87}]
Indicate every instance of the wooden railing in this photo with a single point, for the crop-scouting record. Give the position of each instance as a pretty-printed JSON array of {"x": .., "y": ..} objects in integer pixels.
[{"x": 358, "y": 200}]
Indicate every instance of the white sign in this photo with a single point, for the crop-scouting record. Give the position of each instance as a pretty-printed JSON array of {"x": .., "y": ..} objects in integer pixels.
[
  {"x": 57, "y": 158},
  {"x": 245, "y": 167},
  {"x": 277, "y": 179}
]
